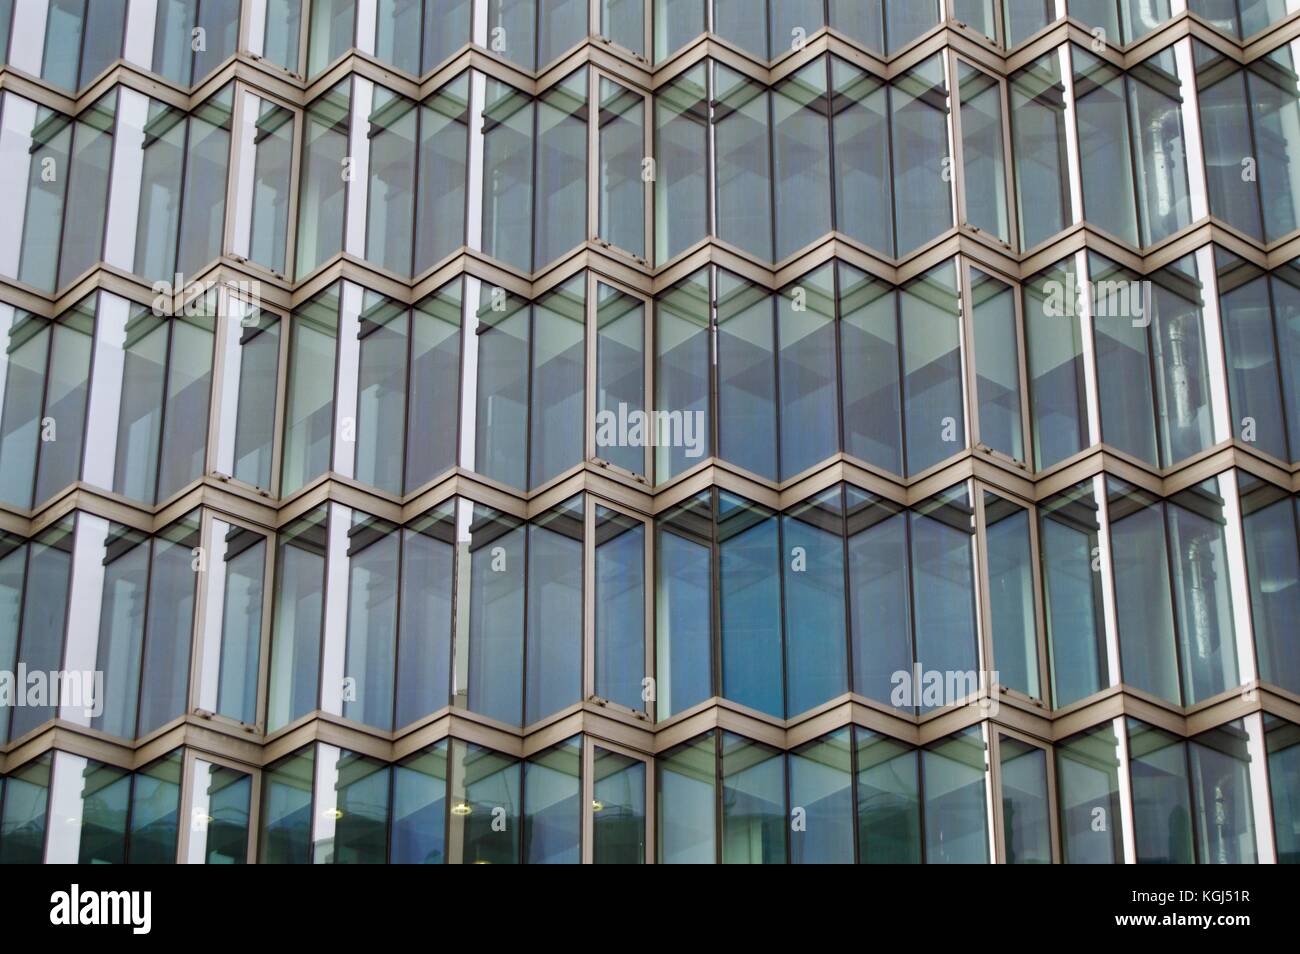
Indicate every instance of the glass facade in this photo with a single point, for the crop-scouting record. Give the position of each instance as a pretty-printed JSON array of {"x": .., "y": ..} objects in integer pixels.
[{"x": 649, "y": 431}]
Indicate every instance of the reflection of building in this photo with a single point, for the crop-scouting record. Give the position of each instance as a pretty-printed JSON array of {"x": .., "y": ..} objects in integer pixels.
[{"x": 309, "y": 317}]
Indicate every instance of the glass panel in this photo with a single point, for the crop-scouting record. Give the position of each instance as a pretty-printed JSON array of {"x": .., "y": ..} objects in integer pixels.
[
  {"x": 805, "y": 315},
  {"x": 739, "y": 22},
  {"x": 870, "y": 370},
  {"x": 501, "y": 432},
  {"x": 13, "y": 569},
  {"x": 419, "y": 833},
  {"x": 683, "y": 606},
  {"x": 1275, "y": 112},
  {"x": 619, "y": 810},
  {"x": 496, "y": 615},
  {"x": 189, "y": 386},
  {"x": 1284, "y": 778},
  {"x": 554, "y": 663},
  {"x": 23, "y": 822},
  {"x": 997, "y": 360},
  {"x": 934, "y": 406},
  {"x": 742, "y": 159},
  {"x": 512, "y": 30},
  {"x": 749, "y": 591},
  {"x": 1105, "y": 150},
  {"x": 424, "y": 639},
  {"x": 620, "y": 610},
  {"x": 863, "y": 171},
  {"x": 983, "y": 158},
  {"x": 558, "y": 407},
  {"x": 1025, "y": 808},
  {"x": 753, "y": 802},
  {"x": 623, "y": 21},
  {"x": 155, "y": 811},
  {"x": 1011, "y": 595},
  {"x": 622, "y": 148},
  {"x": 381, "y": 392},
  {"x": 620, "y": 381},
  {"x": 105, "y": 796},
  {"x": 368, "y": 674},
  {"x": 441, "y": 174},
  {"x": 286, "y": 817},
  {"x": 746, "y": 370},
  {"x": 682, "y": 373},
  {"x": 43, "y": 217},
  {"x": 943, "y": 598},
  {"x": 1160, "y": 157},
  {"x": 139, "y": 424},
  {"x": 1228, "y": 142},
  {"x": 296, "y": 627},
  {"x": 801, "y": 160},
  {"x": 309, "y": 411},
  {"x": 821, "y": 799},
  {"x": 1273, "y": 566},
  {"x": 879, "y": 596},
  {"x": 390, "y": 216},
  {"x": 446, "y": 29},
  {"x": 397, "y": 33},
  {"x": 1254, "y": 375},
  {"x": 812, "y": 561},
  {"x": 241, "y": 623},
  {"x": 323, "y": 194},
  {"x": 1087, "y": 782},
  {"x": 1162, "y": 815},
  {"x": 508, "y": 174},
  {"x": 45, "y": 609},
  {"x": 360, "y": 822},
  {"x": 1054, "y": 343},
  {"x": 676, "y": 22},
  {"x": 259, "y": 363},
  {"x": 26, "y": 349},
  {"x": 956, "y": 820},
  {"x": 1038, "y": 138},
  {"x": 889, "y": 800},
  {"x": 282, "y": 33},
  {"x": 433, "y": 396},
  {"x": 67, "y": 389},
  {"x": 1068, "y": 538},
  {"x": 121, "y": 628},
  {"x": 159, "y": 215},
  {"x": 165, "y": 669},
  {"x": 332, "y": 25},
  {"x": 207, "y": 156},
  {"x": 681, "y": 159},
  {"x": 687, "y": 802},
  {"x": 485, "y": 806},
  {"x": 229, "y": 799},
  {"x": 553, "y": 805},
  {"x": 1223, "y": 817},
  {"x": 87, "y": 185},
  {"x": 919, "y": 137}
]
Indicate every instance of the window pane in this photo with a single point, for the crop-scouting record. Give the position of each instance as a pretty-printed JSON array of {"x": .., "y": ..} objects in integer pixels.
[
  {"x": 229, "y": 796},
  {"x": 1056, "y": 374},
  {"x": 512, "y": 30},
  {"x": 22, "y": 825},
  {"x": 807, "y": 379},
  {"x": 681, "y": 160},
  {"x": 1162, "y": 815},
  {"x": 620, "y": 609},
  {"x": 323, "y": 193},
  {"x": 446, "y": 29},
  {"x": 259, "y": 362},
  {"x": 934, "y": 406},
  {"x": 1011, "y": 595},
  {"x": 623, "y": 21},
  {"x": 1254, "y": 375},
  {"x": 207, "y": 155},
  {"x": 139, "y": 425},
  {"x": 870, "y": 370},
  {"x": 397, "y": 33},
  {"x": 43, "y": 217},
  {"x": 746, "y": 370},
  {"x": 956, "y": 821},
  {"x": 682, "y": 372},
  {"x": 368, "y": 674},
  {"x": 558, "y": 381},
  {"x": 753, "y": 802},
  {"x": 879, "y": 595},
  {"x": 812, "y": 561},
  {"x": 742, "y": 160},
  {"x": 360, "y": 826},
  {"x": 27, "y": 344},
  {"x": 501, "y": 432},
  {"x": 381, "y": 393},
  {"x": 561, "y": 25},
  {"x": 332, "y": 25},
  {"x": 683, "y": 606},
  {"x": 432, "y": 400},
  {"x": 283, "y": 30},
  {"x": 863, "y": 174},
  {"x": 561, "y": 177},
  {"x": 553, "y": 805},
  {"x": 419, "y": 833},
  {"x": 1284, "y": 779},
  {"x": 121, "y": 628},
  {"x": 620, "y": 380},
  {"x": 241, "y": 624},
  {"x": 508, "y": 175},
  {"x": 160, "y": 193},
  {"x": 1025, "y": 808},
  {"x": 309, "y": 414},
  {"x": 189, "y": 386},
  {"x": 821, "y": 787},
  {"x": 45, "y": 606},
  {"x": 622, "y": 148},
  {"x": 155, "y": 811},
  {"x": 389, "y": 218},
  {"x": 424, "y": 642},
  {"x": 273, "y": 145},
  {"x": 496, "y": 616},
  {"x": 1038, "y": 137},
  {"x": 997, "y": 360},
  {"x": 441, "y": 175},
  {"x": 66, "y": 390},
  {"x": 87, "y": 185},
  {"x": 676, "y": 22},
  {"x": 1273, "y": 564},
  {"x": 104, "y": 798},
  {"x": 296, "y": 628},
  {"x": 983, "y": 159},
  {"x": 889, "y": 800},
  {"x": 1224, "y": 821},
  {"x": 944, "y": 587},
  {"x": 485, "y": 806},
  {"x": 749, "y": 574},
  {"x": 165, "y": 669},
  {"x": 1087, "y": 783},
  {"x": 285, "y": 836},
  {"x": 554, "y": 664},
  {"x": 618, "y": 824},
  {"x": 919, "y": 125},
  {"x": 801, "y": 160},
  {"x": 1068, "y": 538}
]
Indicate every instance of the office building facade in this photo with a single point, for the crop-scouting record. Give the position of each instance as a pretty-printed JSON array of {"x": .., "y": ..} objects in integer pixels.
[{"x": 650, "y": 431}]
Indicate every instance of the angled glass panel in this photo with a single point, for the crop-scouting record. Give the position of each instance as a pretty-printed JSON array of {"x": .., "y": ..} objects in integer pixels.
[
  {"x": 754, "y": 815},
  {"x": 433, "y": 391},
  {"x": 1026, "y": 809},
  {"x": 1054, "y": 344},
  {"x": 888, "y": 799},
  {"x": 558, "y": 381},
  {"x": 285, "y": 819},
  {"x": 620, "y": 381},
  {"x": 806, "y": 373},
  {"x": 1069, "y": 525},
  {"x": 155, "y": 812},
  {"x": 618, "y": 809},
  {"x": 1087, "y": 786},
  {"x": 801, "y": 169},
  {"x": 749, "y": 578},
  {"x": 956, "y": 817},
  {"x": 687, "y": 792},
  {"x": 682, "y": 374},
  {"x": 922, "y": 164},
  {"x": 441, "y": 174},
  {"x": 384, "y": 332},
  {"x": 933, "y": 403},
  {"x": 45, "y": 613},
  {"x": 1038, "y": 149},
  {"x": 299, "y": 614},
  {"x": 553, "y": 805},
  {"x": 419, "y": 817},
  {"x": 23, "y": 818},
  {"x": 508, "y": 173},
  {"x": 870, "y": 369},
  {"x": 1162, "y": 811},
  {"x": 1011, "y": 595},
  {"x": 746, "y": 371},
  {"x": 425, "y": 618},
  {"x": 495, "y": 585},
  {"x": 486, "y": 806},
  {"x": 309, "y": 409},
  {"x": 983, "y": 151},
  {"x": 553, "y": 666},
  {"x": 560, "y": 185},
  {"x": 259, "y": 363},
  {"x": 241, "y": 623},
  {"x": 620, "y": 609},
  {"x": 1218, "y": 766},
  {"x": 684, "y": 606},
  {"x": 821, "y": 801},
  {"x": 681, "y": 160},
  {"x": 390, "y": 221},
  {"x": 368, "y": 673},
  {"x": 322, "y": 194},
  {"x": 812, "y": 563},
  {"x": 880, "y": 599},
  {"x": 742, "y": 159},
  {"x": 1269, "y": 519},
  {"x": 864, "y": 197},
  {"x": 360, "y": 814},
  {"x": 622, "y": 184},
  {"x": 273, "y": 146}
]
